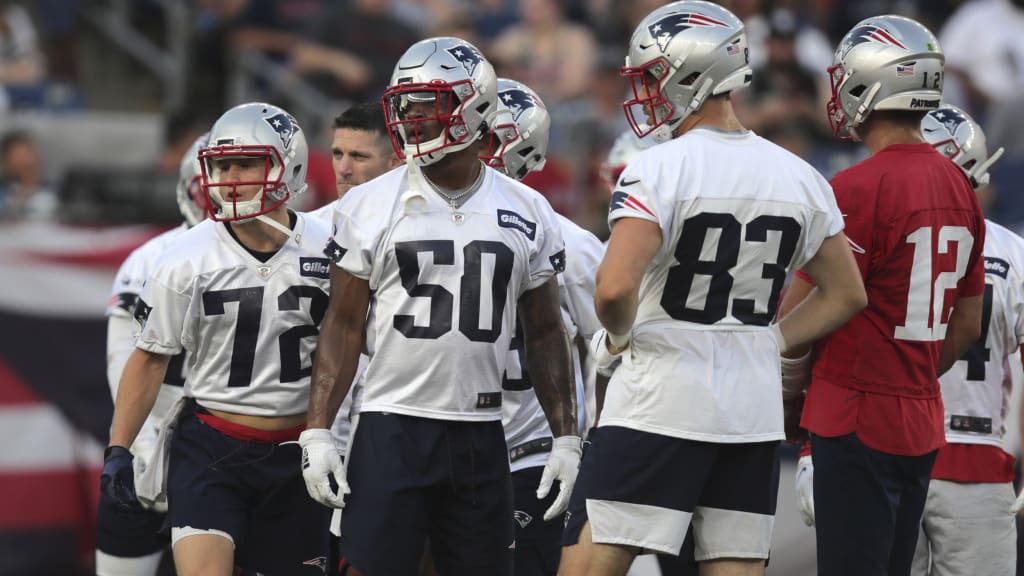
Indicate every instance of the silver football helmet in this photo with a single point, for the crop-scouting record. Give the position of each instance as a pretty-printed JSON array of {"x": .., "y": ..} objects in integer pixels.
[
  {"x": 192, "y": 202},
  {"x": 519, "y": 138},
  {"x": 680, "y": 54},
  {"x": 453, "y": 78},
  {"x": 624, "y": 149},
  {"x": 883, "y": 63},
  {"x": 958, "y": 137},
  {"x": 255, "y": 130}
]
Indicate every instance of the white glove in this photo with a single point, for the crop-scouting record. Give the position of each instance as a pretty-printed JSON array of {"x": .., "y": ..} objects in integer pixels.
[
  {"x": 604, "y": 361},
  {"x": 1018, "y": 503},
  {"x": 805, "y": 489},
  {"x": 320, "y": 458},
  {"x": 563, "y": 465}
]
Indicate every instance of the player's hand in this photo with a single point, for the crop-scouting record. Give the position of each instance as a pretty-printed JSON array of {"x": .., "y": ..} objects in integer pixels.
[
  {"x": 604, "y": 359},
  {"x": 563, "y": 465},
  {"x": 805, "y": 489},
  {"x": 117, "y": 480},
  {"x": 1018, "y": 504},
  {"x": 792, "y": 410},
  {"x": 321, "y": 459}
]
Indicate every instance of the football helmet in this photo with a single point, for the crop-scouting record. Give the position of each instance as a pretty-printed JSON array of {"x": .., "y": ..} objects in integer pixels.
[
  {"x": 192, "y": 202},
  {"x": 883, "y": 63},
  {"x": 254, "y": 130},
  {"x": 680, "y": 54},
  {"x": 453, "y": 77},
  {"x": 625, "y": 147},
  {"x": 519, "y": 139},
  {"x": 958, "y": 137}
]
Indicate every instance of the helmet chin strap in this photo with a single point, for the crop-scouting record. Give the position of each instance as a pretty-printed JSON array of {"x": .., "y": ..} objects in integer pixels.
[
  {"x": 413, "y": 200},
  {"x": 288, "y": 232}
]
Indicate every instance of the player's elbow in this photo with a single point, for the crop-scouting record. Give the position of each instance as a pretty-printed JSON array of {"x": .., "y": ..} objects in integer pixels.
[{"x": 609, "y": 296}]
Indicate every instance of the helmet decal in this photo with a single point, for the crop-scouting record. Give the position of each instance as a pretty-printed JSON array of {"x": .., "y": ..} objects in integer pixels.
[
  {"x": 467, "y": 55},
  {"x": 871, "y": 33},
  {"x": 285, "y": 126},
  {"x": 950, "y": 118},
  {"x": 664, "y": 30},
  {"x": 517, "y": 101}
]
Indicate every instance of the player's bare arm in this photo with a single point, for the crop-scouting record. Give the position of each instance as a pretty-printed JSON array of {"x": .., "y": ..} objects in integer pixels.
[
  {"x": 140, "y": 384},
  {"x": 963, "y": 330},
  {"x": 548, "y": 358},
  {"x": 632, "y": 246},
  {"x": 838, "y": 296},
  {"x": 341, "y": 340}
]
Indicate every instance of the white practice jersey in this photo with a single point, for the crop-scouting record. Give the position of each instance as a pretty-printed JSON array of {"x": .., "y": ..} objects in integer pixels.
[
  {"x": 976, "y": 390},
  {"x": 444, "y": 295},
  {"x": 123, "y": 331},
  {"x": 325, "y": 212},
  {"x": 522, "y": 415},
  {"x": 342, "y": 427},
  {"x": 250, "y": 326},
  {"x": 737, "y": 214}
]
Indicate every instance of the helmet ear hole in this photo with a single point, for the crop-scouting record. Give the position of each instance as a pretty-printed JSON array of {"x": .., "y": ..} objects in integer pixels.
[
  {"x": 856, "y": 91},
  {"x": 689, "y": 80}
]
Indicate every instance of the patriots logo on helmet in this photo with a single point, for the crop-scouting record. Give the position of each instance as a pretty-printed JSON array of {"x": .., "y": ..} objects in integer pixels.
[
  {"x": 466, "y": 55},
  {"x": 951, "y": 119},
  {"x": 664, "y": 30},
  {"x": 871, "y": 33},
  {"x": 517, "y": 101},
  {"x": 285, "y": 126}
]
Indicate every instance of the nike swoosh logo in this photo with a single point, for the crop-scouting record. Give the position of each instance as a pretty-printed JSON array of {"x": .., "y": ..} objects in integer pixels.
[
  {"x": 854, "y": 396},
  {"x": 855, "y": 247},
  {"x": 625, "y": 183},
  {"x": 642, "y": 47}
]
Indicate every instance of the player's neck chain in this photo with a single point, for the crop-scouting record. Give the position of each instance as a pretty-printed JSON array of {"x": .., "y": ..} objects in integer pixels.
[{"x": 453, "y": 197}]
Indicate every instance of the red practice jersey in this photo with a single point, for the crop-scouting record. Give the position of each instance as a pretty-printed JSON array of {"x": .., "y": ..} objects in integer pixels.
[{"x": 917, "y": 232}]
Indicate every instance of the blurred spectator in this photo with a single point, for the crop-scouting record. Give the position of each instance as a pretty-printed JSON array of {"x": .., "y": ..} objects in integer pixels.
[
  {"x": 21, "y": 61},
  {"x": 23, "y": 194},
  {"x": 784, "y": 96},
  {"x": 353, "y": 48},
  {"x": 546, "y": 52},
  {"x": 984, "y": 52},
  {"x": 492, "y": 17}
]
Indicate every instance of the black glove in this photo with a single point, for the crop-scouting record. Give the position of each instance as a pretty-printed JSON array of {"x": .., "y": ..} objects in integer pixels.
[{"x": 117, "y": 481}]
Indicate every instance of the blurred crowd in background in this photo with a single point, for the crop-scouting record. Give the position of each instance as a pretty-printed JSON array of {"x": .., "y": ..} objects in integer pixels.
[{"x": 99, "y": 98}]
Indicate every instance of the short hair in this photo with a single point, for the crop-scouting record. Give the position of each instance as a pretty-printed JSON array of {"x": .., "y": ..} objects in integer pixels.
[{"x": 368, "y": 117}]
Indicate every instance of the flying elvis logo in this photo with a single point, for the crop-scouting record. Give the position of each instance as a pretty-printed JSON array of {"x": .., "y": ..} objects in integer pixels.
[
  {"x": 509, "y": 219},
  {"x": 664, "y": 30},
  {"x": 622, "y": 199},
  {"x": 315, "y": 267}
]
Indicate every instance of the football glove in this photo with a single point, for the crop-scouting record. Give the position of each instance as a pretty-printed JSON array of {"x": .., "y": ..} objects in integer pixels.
[
  {"x": 321, "y": 459},
  {"x": 805, "y": 489},
  {"x": 563, "y": 465},
  {"x": 604, "y": 360},
  {"x": 117, "y": 481}
]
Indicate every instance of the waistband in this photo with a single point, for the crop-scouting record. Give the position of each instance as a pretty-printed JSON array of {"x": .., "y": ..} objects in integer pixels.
[
  {"x": 244, "y": 433},
  {"x": 525, "y": 449}
]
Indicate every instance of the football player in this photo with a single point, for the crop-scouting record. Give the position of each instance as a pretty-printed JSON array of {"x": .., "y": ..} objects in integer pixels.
[
  {"x": 360, "y": 152},
  {"x": 874, "y": 409},
  {"x": 128, "y": 539},
  {"x": 445, "y": 253},
  {"x": 968, "y": 524},
  {"x": 519, "y": 146},
  {"x": 243, "y": 293},
  {"x": 705, "y": 227}
]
